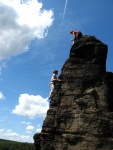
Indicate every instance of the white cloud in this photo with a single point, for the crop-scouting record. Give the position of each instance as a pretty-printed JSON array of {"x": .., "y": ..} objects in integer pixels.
[
  {"x": 38, "y": 130},
  {"x": 10, "y": 135},
  {"x": 29, "y": 132},
  {"x": 2, "y": 96},
  {"x": 27, "y": 123},
  {"x": 20, "y": 23},
  {"x": 29, "y": 127},
  {"x": 31, "y": 106},
  {"x": 1, "y": 130}
]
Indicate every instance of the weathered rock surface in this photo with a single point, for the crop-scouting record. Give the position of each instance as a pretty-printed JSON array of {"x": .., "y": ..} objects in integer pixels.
[{"x": 80, "y": 116}]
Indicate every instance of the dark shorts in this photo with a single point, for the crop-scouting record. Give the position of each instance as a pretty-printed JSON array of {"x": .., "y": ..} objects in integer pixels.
[{"x": 78, "y": 36}]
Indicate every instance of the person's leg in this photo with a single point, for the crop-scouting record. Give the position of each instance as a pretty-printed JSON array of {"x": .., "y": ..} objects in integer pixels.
[{"x": 51, "y": 90}]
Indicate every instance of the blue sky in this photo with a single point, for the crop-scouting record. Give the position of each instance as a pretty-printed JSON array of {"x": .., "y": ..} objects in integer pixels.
[{"x": 34, "y": 41}]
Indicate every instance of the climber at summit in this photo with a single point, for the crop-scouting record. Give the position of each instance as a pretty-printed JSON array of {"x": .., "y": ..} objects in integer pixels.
[
  {"x": 77, "y": 36},
  {"x": 53, "y": 81}
]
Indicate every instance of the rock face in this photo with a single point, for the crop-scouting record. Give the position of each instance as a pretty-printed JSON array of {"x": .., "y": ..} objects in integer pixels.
[{"x": 80, "y": 116}]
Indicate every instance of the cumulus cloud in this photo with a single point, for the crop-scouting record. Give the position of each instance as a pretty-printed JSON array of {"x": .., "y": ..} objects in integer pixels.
[
  {"x": 29, "y": 127},
  {"x": 20, "y": 22},
  {"x": 1, "y": 130},
  {"x": 11, "y": 135},
  {"x": 2, "y": 96},
  {"x": 38, "y": 130},
  {"x": 28, "y": 132},
  {"x": 31, "y": 106},
  {"x": 27, "y": 123}
]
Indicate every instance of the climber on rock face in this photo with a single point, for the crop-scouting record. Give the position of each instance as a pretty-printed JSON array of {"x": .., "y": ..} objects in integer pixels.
[
  {"x": 53, "y": 81},
  {"x": 77, "y": 35}
]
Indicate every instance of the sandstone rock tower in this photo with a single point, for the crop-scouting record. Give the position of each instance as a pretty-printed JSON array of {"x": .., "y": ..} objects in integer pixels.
[{"x": 80, "y": 116}]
